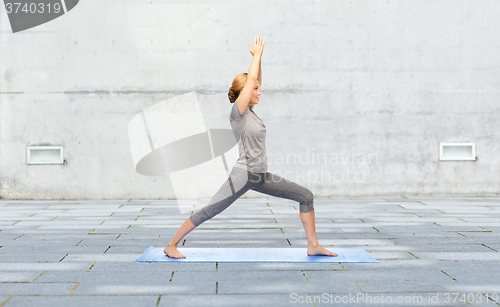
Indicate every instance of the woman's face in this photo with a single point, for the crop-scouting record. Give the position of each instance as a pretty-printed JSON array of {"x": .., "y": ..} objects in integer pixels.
[{"x": 254, "y": 99}]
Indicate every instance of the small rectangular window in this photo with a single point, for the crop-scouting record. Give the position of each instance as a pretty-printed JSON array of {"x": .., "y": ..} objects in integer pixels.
[
  {"x": 457, "y": 151},
  {"x": 45, "y": 155}
]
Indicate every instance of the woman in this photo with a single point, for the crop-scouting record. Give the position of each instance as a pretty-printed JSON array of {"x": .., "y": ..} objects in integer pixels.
[{"x": 250, "y": 170}]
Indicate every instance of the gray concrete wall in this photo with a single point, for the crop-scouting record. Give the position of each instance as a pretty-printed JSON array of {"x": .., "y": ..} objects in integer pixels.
[{"x": 372, "y": 85}]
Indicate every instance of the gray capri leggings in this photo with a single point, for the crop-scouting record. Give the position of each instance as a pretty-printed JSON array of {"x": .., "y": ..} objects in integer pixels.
[{"x": 241, "y": 180}]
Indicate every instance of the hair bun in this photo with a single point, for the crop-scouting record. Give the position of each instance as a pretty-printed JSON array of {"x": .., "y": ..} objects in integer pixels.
[
  {"x": 236, "y": 87},
  {"x": 231, "y": 95}
]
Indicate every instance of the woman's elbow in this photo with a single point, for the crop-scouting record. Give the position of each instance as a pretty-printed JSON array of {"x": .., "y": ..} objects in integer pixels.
[{"x": 252, "y": 77}]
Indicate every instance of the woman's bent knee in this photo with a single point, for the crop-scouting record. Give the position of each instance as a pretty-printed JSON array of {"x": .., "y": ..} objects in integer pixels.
[
  {"x": 308, "y": 204},
  {"x": 199, "y": 217}
]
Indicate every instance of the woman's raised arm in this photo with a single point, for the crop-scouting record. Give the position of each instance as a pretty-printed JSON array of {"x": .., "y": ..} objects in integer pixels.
[{"x": 254, "y": 74}]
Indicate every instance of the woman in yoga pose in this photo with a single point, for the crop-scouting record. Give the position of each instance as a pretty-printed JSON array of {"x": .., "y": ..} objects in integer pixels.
[{"x": 250, "y": 170}]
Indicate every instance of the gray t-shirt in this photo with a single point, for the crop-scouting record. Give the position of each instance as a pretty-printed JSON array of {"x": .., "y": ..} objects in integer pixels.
[{"x": 250, "y": 131}]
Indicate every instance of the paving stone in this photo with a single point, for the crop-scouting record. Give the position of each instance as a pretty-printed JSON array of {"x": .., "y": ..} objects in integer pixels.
[
  {"x": 378, "y": 274},
  {"x": 83, "y": 301},
  {"x": 118, "y": 283},
  {"x": 267, "y": 286},
  {"x": 271, "y": 281},
  {"x": 80, "y": 228},
  {"x": 462, "y": 228},
  {"x": 344, "y": 242},
  {"x": 402, "y": 264},
  {"x": 447, "y": 248},
  {"x": 28, "y": 257},
  {"x": 237, "y": 243},
  {"x": 167, "y": 267},
  {"x": 43, "y": 266},
  {"x": 265, "y": 266},
  {"x": 19, "y": 229},
  {"x": 216, "y": 300},
  {"x": 386, "y": 255},
  {"x": 57, "y": 231},
  {"x": 486, "y": 288},
  {"x": 103, "y": 277},
  {"x": 470, "y": 276},
  {"x": 423, "y": 234},
  {"x": 144, "y": 288},
  {"x": 434, "y": 240},
  {"x": 362, "y": 237},
  {"x": 58, "y": 250},
  {"x": 128, "y": 249},
  {"x": 221, "y": 225},
  {"x": 101, "y": 257},
  {"x": 98, "y": 241},
  {"x": 229, "y": 235},
  {"x": 16, "y": 276},
  {"x": 7, "y": 221},
  {"x": 36, "y": 288},
  {"x": 426, "y": 286},
  {"x": 486, "y": 255},
  {"x": 482, "y": 235},
  {"x": 150, "y": 241}
]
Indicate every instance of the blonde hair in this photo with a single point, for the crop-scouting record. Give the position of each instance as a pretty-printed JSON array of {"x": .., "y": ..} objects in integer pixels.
[{"x": 238, "y": 84}]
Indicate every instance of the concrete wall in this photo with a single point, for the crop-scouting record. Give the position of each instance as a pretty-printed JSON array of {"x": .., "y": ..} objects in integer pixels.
[{"x": 372, "y": 85}]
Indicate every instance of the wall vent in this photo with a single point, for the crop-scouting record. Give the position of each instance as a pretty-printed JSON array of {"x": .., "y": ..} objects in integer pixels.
[
  {"x": 45, "y": 155},
  {"x": 457, "y": 151}
]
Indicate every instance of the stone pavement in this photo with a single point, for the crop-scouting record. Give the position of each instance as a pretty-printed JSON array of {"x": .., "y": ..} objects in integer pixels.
[{"x": 432, "y": 251}]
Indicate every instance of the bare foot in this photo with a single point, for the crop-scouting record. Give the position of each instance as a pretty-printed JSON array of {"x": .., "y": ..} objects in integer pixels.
[
  {"x": 319, "y": 251},
  {"x": 172, "y": 252}
]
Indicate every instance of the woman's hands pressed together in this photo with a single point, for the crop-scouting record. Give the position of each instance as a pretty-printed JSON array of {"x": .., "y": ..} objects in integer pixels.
[{"x": 249, "y": 92}]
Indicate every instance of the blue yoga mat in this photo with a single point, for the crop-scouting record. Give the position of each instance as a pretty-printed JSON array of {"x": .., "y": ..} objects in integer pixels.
[{"x": 345, "y": 255}]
